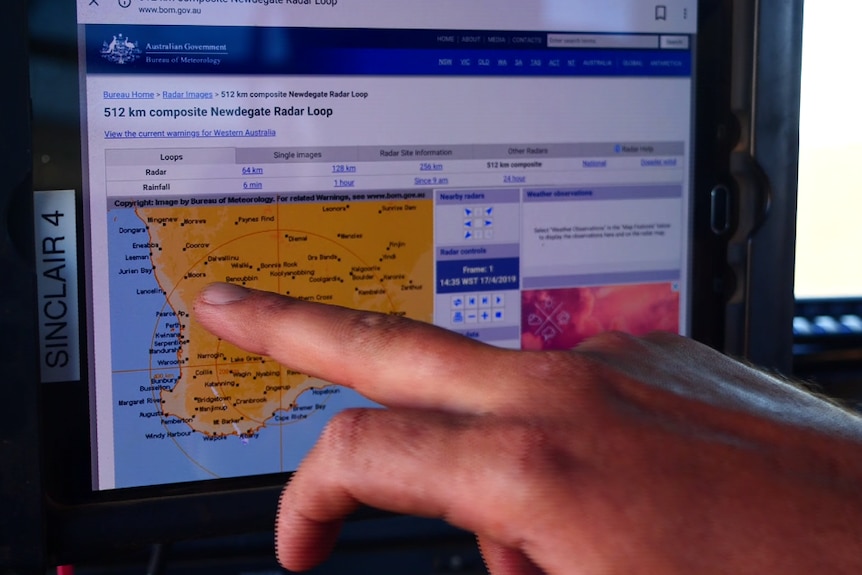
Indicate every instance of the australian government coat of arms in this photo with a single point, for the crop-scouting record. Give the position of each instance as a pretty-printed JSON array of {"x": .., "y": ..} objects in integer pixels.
[{"x": 120, "y": 50}]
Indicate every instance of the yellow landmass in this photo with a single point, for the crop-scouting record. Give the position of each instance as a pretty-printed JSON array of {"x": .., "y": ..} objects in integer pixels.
[{"x": 368, "y": 255}]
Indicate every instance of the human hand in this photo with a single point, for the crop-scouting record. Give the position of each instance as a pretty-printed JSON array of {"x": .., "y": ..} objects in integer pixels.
[{"x": 653, "y": 455}]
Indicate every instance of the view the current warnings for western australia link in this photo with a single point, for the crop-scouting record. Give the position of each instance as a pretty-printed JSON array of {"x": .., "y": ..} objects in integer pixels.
[{"x": 519, "y": 176}]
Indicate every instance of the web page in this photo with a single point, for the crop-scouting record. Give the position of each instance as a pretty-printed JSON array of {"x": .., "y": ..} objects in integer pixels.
[{"x": 525, "y": 187}]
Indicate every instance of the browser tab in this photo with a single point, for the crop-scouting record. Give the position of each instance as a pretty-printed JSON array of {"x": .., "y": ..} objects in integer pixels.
[{"x": 589, "y": 16}]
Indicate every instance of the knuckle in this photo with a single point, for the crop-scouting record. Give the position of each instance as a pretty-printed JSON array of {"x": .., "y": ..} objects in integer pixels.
[
  {"x": 609, "y": 341},
  {"x": 345, "y": 425},
  {"x": 342, "y": 433},
  {"x": 530, "y": 456},
  {"x": 663, "y": 337},
  {"x": 371, "y": 332},
  {"x": 348, "y": 449},
  {"x": 568, "y": 380},
  {"x": 550, "y": 366}
]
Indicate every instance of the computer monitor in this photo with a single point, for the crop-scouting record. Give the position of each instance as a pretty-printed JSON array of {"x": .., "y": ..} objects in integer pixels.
[{"x": 526, "y": 174}]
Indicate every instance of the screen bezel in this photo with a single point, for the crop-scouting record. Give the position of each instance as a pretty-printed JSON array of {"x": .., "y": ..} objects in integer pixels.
[
  {"x": 22, "y": 545},
  {"x": 82, "y": 523}
]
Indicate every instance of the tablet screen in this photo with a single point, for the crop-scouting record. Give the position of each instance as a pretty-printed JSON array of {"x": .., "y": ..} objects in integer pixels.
[{"x": 517, "y": 172}]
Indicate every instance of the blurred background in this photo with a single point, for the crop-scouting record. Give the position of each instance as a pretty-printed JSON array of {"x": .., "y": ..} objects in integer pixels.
[{"x": 828, "y": 284}]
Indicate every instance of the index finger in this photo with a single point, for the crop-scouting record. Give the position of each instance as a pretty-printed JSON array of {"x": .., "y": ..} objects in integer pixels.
[{"x": 389, "y": 359}]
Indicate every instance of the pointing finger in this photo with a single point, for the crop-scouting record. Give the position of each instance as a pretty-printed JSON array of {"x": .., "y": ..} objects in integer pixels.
[{"x": 392, "y": 360}]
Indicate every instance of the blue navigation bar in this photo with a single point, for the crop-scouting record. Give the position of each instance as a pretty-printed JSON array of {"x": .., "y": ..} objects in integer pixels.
[{"x": 305, "y": 51}]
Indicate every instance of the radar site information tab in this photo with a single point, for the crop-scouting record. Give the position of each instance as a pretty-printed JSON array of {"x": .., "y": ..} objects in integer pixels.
[{"x": 522, "y": 187}]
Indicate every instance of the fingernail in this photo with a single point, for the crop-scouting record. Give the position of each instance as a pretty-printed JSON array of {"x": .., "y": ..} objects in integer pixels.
[{"x": 222, "y": 293}]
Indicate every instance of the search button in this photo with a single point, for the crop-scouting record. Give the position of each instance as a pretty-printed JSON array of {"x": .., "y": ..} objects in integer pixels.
[{"x": 674, "y": 42}]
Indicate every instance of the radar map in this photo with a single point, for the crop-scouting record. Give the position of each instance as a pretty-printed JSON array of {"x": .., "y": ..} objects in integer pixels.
[{"x": 188, "y": 406}]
